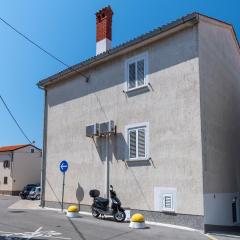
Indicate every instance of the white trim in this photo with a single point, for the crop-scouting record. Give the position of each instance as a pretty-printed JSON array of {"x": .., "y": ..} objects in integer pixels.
[
  {"x": 134, "y": 59},
  {"x": 103, "y": 45},
  {"x": 133, "y": 126},
  {"x": 172, "y": 226},
  {"x": 137, "y": 88},
  {"x": 159, "y": 192}
]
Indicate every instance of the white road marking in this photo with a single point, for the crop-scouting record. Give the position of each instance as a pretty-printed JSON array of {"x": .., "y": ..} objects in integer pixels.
[
  {"x": 172, "y": 226},
  {"x": 36, "y": 234}
]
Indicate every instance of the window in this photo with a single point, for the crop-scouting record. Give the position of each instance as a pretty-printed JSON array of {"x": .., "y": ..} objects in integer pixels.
[
  {"x": 6, "y": 164},
  {"x": 32, "y": 150},
  {"x": 137, "y": 142},
  {"x": 168, "y": 202},
  {"x": 136, "y": 72},
  {"x": 5, "y": 180}
]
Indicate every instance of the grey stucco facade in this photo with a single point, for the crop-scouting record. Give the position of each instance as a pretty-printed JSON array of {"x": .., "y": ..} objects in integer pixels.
[
  {"x": 176, "y": 105},
  {"x": 219, "y": 64}
]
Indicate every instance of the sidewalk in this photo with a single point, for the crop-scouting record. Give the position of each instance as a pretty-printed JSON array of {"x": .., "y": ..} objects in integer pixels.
[{"x": 26, "y": 204}]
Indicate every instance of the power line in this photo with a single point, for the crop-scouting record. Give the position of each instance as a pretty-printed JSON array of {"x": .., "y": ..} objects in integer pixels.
[
  {"x": 14, "y": 119},
  {"x": 42, "y": 49}
]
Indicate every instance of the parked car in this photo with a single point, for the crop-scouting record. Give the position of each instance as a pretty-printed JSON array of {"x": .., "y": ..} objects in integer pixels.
[
  {"x": 35, "y": 193},
  {"x": 26, "y": 190}
]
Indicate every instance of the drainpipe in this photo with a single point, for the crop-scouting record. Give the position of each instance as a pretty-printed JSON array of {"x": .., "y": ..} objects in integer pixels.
[
  {"x": 11, "y": 165},
  {"x": 43, "y": 162},
  {"x": 107, "y": 169}
]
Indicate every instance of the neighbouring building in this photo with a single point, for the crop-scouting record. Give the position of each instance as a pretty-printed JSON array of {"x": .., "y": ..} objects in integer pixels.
[
  {"x": 19, "y": 165},
  {"x": 174, "y": 96}
]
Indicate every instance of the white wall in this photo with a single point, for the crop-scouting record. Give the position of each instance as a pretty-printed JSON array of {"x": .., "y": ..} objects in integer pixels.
[
  {"x": 26, "y": 167},
  {"x": 5, "y": 172},
  {"x": 219, "y": 60}
]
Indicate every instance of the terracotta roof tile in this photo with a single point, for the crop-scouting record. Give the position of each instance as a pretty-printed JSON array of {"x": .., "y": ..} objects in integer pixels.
[{"x": 12, "y": 148}]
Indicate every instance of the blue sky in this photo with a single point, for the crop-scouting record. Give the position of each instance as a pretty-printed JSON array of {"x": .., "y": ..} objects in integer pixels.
[{"x": 66, "y": 28}]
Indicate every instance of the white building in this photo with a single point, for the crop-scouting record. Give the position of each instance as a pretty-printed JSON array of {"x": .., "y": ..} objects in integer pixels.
[
  {"x": 174, "y": 96},
  {"x": 19, "y": 165}
]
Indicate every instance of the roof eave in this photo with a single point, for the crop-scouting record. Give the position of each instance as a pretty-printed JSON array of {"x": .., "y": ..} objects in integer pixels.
[{"x": 136, "y": 43}]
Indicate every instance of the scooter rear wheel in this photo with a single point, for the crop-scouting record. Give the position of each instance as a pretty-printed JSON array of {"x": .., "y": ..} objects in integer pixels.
[
  {"x": 119, "y": 216},
  {"x": 95, "y": 213}
]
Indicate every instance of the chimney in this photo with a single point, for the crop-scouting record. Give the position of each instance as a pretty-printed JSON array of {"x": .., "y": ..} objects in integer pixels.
[{"x": 104, "y": 30}]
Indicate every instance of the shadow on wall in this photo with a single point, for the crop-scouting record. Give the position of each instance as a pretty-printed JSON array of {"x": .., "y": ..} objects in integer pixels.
[
  {"x": 173, "y": 50},
  {"x": 79, "y": 194},
  {"x": 117, "y": 147}
]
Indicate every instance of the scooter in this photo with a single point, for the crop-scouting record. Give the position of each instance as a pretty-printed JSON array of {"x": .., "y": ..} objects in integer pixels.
[{"x": 101, "y": 207}]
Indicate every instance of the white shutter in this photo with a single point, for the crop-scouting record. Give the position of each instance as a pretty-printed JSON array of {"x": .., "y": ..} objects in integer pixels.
[
  {"x": 168, "y": 202},
  {"x": 140, "y": 72},
  {"x": 132, "y": 144},
  {"x": 141, "y": 143}
]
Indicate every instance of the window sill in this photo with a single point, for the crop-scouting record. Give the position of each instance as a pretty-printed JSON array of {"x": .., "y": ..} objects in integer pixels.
[
  {"x": 168, "y": 210},
  {"x": 137, "y": 160},
  {"x": 137, "y": 88}
]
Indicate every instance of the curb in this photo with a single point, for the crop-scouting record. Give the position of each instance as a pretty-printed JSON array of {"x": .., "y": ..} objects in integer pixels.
[
  {"x": 211, "y": 237},
  {"x": 147, "y": 222}
]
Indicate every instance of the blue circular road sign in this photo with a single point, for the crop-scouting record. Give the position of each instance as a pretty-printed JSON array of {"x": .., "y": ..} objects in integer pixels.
[{"x": 63, "y": 166}]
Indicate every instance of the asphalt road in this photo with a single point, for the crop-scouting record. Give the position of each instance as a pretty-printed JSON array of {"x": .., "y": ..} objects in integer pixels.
[{"x": 45, "y": 224}]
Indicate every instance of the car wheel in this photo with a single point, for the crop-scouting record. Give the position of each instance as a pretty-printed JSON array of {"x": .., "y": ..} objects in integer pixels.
[{"x": 38, "y": 197}]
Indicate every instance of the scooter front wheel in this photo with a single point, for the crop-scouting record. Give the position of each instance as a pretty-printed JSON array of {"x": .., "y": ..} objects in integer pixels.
[
  {"x": 95, "y": 213},
  {"x": 119, "y": 216}
]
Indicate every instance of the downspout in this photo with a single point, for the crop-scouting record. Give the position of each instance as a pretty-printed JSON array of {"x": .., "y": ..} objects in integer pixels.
[
  {"x": 43, "y": 162},
  {"x": 11, "y": 165},
  {"x": 11, "y": 169}
]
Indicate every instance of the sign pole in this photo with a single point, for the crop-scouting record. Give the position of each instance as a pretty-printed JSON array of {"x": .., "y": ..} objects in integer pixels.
[
  {"x": 63, "y": 185},
  {"x": 63, "y": 168}
]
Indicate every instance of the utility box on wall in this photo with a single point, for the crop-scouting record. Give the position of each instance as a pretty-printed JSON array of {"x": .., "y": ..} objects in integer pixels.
[
  {"x": 92, "y": 130},
  {"x": 106, "y": 128}
]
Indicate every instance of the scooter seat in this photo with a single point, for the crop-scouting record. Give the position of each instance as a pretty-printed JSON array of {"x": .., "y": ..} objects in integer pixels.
[{"x": 104, "y": 201}]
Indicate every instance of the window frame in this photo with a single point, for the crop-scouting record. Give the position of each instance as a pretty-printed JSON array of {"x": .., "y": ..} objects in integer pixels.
[
  {"x": 135, "y": 59},
  {"x": 130, "y": 127}
]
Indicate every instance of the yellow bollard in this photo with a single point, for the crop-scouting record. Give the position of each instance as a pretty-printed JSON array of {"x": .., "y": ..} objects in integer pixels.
[
  {"x": 73, "y": 211},
  {"x": 137, "y": 221}
]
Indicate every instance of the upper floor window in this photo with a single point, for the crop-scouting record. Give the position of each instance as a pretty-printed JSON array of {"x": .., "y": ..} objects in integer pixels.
[{"x": 136, "y": 72}]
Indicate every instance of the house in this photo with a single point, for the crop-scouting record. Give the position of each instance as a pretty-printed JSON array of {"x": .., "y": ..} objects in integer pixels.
[
  {"x": 170, "y": 100},
  {"x": 19, "y": 165}
]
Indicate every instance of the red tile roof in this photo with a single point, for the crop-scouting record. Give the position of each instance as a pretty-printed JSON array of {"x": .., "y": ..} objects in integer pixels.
[{"x": 12, "y": 148}]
